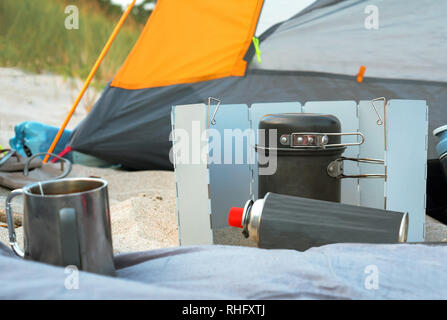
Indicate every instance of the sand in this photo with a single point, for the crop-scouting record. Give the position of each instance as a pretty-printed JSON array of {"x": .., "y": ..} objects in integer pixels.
[
  {"x": 44, "y": 98},
  {"x": 142, "y": 204}
]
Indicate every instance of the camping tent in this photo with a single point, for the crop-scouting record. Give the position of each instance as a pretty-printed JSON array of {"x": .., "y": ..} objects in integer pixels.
[{"x": 315, "y": 55}]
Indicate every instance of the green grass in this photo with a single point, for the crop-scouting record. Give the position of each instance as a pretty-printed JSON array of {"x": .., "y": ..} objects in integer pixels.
[{"x": 33, "y": 37}]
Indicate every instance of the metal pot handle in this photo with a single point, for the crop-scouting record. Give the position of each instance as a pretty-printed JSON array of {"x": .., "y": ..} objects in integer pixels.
[
  {"x": 335, "y": 168},
  {"x": 10, "y": 220},
  {"x": 317, "y": 139}
]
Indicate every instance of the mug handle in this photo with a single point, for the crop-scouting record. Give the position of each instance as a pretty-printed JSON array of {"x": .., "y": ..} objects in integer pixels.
[
  {"x": 10, "y": 220},
  {"x": 69, "y": 237}
]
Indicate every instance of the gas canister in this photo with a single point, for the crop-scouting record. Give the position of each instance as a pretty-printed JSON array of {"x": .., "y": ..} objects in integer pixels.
[{"x": 286, "y": 222}]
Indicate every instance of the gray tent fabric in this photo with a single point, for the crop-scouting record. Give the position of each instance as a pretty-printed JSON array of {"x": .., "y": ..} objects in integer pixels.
[
  {"x": 410, "y": 42},
  {"x": 313, "y": 56},
  {"x": 338, "y": 271}
]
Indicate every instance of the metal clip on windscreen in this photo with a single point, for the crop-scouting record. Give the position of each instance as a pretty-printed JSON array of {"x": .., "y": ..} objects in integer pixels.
[
  {"x": 379, "y": 120},
  {"x": 213, "y": 120}
]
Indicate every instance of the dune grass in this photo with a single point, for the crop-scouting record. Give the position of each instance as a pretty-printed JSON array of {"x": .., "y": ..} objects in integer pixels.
[{"x": 33, "y": 37}]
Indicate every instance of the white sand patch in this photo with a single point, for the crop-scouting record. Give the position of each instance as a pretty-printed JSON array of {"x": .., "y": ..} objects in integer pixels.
[{"x": 45, "y": 98}]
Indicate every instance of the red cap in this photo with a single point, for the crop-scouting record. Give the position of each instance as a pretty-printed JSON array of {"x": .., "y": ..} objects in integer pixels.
[{"x": 235, "y": 217}]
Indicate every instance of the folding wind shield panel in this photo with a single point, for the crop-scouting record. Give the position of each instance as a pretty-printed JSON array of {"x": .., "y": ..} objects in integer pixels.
[
  {"x": 220, "y": 186},
  {"x": 372, "y": 192},
  {"x": 346, "y": 112},
  {"x": 228, "y": 139},
  {"x": 406, "y": 161},
  {"x": 191, "y": 175}
]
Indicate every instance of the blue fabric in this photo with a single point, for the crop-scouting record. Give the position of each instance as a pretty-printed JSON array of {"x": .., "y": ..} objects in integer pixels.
[
  {"x": 37, "y": 137},
  {"x": 339, "y": 271}
]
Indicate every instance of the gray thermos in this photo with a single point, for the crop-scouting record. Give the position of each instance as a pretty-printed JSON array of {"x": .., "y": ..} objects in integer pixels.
[
  {"x": 287, "y": 222},
  {"x": 307, "y": 149}
]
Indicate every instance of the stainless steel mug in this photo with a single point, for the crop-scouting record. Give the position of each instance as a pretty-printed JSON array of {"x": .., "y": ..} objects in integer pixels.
[{"x": 66, "y": 222}]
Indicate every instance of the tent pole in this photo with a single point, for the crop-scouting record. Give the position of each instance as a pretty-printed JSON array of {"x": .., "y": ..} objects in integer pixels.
[{"x": 89, "y": 78}]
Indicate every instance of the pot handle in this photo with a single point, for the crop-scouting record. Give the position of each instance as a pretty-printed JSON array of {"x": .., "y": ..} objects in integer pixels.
[
  {"x": 335, "y": 169},
  {"x": 69, "y": 237},
  {"x": 10, "y": 220}
]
